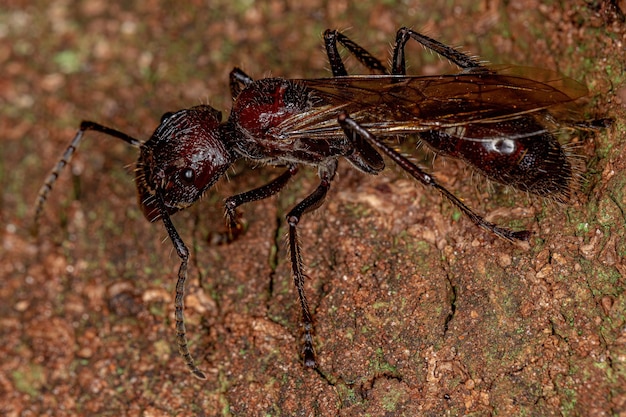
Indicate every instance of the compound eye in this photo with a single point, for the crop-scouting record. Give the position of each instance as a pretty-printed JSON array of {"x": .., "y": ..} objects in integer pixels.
[{"x": 187, "y": 175}]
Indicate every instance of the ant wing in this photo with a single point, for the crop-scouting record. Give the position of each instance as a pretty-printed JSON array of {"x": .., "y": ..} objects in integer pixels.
[{"x": 397, "y": 104}]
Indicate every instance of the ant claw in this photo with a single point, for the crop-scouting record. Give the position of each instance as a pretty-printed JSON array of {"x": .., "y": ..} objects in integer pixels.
[
  {"x": 522, "y": 235},
  {"x": 309, "y": 358}
]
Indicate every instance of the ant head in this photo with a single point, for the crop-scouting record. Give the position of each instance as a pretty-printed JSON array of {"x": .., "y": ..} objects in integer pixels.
[{"x": 184, "y": 157}]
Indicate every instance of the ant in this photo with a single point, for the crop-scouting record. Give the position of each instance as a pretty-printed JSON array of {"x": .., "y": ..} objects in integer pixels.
[{"x": 502, "y": 121}]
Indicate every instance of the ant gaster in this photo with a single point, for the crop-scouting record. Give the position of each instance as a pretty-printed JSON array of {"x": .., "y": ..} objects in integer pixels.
[{"x": 501, "y": 121}]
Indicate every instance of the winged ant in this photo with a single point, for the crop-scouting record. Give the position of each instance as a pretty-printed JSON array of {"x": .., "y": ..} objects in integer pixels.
[{"x": 502, "y": 121}]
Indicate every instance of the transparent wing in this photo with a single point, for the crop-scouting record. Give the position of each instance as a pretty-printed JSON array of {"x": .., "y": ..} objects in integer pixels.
[{"x": 389, "y": 105}]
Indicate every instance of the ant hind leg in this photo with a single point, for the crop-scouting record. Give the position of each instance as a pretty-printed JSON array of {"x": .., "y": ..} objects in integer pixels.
[
  {"x": 352, "y": 129},
  {"x": 398, "y": 66},
  {"x": 332, "y": 37}
]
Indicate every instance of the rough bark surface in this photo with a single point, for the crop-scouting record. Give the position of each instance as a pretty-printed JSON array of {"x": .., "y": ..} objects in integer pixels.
[{"x": 417, "y": 311}]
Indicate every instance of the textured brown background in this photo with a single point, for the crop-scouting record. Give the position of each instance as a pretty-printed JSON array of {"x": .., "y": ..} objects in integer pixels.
[{"x": 86, "y": 309}]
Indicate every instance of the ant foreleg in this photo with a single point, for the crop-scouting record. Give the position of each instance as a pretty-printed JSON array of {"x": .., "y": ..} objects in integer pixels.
[
  {"x": 310, "y": 203},
  {"x": 45, "y": 189},
  {"x": 331, "y": 37},
  {"x": 238, "y": 81},
  {"x": 352, "y": 129},
  {"x": 398, "y": 66},
  {"x": 179, "y": 301},
  {"x": 233, "y": 222}
]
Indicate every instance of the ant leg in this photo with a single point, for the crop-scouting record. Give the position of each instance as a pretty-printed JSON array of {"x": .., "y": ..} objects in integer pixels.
[
  {"x": 310, "y": 203},
  {"x": 351, "y": 128},
  {"x": 331, "y": 37},
  {"x": 595, "y": 124},
  {"x": 460, "y": 59},
  {"x": 233, "y": 219},
  {"x": 45, "y": 189},
  {"x": 179, "y": 301},
  {"x": 238, "y": 81}
]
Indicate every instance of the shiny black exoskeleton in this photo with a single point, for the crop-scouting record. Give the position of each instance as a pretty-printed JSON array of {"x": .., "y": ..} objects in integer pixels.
[{"x": 501, "y": 121}]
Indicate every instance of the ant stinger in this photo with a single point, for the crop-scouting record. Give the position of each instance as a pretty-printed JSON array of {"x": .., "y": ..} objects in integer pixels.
[{"x": 502, "y": 121}]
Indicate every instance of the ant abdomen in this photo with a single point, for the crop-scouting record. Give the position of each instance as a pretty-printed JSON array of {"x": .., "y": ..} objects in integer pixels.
[{"x": 519, "y": 152}]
